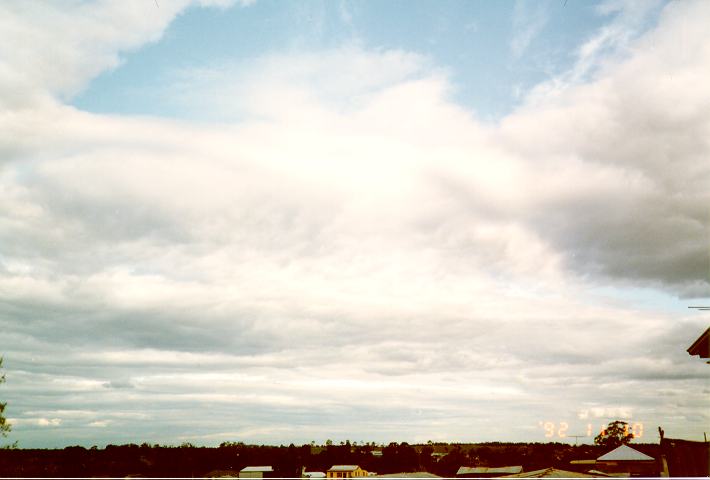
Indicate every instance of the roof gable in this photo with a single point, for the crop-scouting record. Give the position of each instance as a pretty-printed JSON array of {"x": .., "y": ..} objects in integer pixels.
[{"x": 625, "y": 453}]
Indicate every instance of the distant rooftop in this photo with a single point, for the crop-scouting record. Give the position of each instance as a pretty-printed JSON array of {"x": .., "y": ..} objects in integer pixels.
[
  {"x": 624, "y": 453},
  {"x": 262, "y": 468},
  {"x": 343, "y": 468},
  {"x": 409, "y": 475},
  {"x": 489, "y": 470},
  {"x": 551, "y": 473}
]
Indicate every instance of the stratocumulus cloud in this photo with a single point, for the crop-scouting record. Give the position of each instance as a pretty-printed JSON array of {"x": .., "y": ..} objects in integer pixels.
[{"x": 338, "y": 249}]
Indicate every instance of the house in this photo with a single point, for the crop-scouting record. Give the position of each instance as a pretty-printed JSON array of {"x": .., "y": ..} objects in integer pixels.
[
  {"x": 345, "y": 471},
  {"x": 626, "y": 460},
  {"x": 701, "y": 346},
  {"x": 265, "y": 471},
  {"x": 487, "y": 472}
]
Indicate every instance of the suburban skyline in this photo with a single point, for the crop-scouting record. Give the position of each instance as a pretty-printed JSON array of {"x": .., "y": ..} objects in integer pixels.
[{"x": 285, "y": 222}]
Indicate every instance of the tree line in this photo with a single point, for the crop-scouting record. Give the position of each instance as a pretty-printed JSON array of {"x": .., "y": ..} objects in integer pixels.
[{"x": 288, "y": 461}]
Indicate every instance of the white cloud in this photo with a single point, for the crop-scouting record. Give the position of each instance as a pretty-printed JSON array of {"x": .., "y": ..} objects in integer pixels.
[
  {"x": 53, "y": 48},
  {"x": 40, "y": 422},
  {"x": 641, "y": 130},
  {"x": 292, "y": 85},
  {"x": 609, "y": 45},
  {"x": 529, "y": 20},
  {"x": 99, "y": 424}
]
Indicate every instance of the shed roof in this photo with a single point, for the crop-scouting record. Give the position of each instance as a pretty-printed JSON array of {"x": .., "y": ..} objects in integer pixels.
[
  {"x": 343, "y": 468},
  {"x": 624, "y": 453},
  {"x": 260, "y": 468}
]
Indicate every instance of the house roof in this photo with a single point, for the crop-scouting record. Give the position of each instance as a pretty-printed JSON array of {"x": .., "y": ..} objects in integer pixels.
[
  {"x": 261, "y": 468},
  {"x": 701, "y": 346},
  {"x": 489, "y": 470},
  {"x": 343, "y": 468},
  {"x": 550, "y": 473},
  {"x": 624, "y": 453}
]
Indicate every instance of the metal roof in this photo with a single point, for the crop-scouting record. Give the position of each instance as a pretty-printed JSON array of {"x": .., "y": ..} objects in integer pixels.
[
  {"x": 262, "y": 468},
  {"x": 479, "y": 470},
  {"x": 624, "y": 453},
  {"x": 343, "y": 468},
  {"x": 598, "y": 473},
  {"x": 550, "y": 473},
  {"x": 408, "y": 475}
]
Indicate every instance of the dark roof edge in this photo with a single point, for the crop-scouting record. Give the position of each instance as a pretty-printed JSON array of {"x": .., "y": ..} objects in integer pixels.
[{"x": 694, "y": 349}]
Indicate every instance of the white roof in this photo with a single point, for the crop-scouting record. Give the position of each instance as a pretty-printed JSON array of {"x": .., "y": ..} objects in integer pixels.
[
  {"x": 314, "y": 474},
  {"x": 624, "y": 453},
  {"x": 263, "y": 468},
  {"x": 550, "y": 473},
  {"x": 477, "y": 470},
  {"x": 343, "y": 468}
]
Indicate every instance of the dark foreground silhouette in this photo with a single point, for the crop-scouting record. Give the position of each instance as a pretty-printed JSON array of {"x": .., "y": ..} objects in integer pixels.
[{"x": 288, "y": 461}]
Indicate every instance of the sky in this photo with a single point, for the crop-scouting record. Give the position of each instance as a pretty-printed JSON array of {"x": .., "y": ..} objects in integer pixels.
[{"x": 275, "y": 221}]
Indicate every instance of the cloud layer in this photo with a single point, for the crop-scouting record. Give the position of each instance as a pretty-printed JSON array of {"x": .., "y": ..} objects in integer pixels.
[{"x": 338, "y": 250}]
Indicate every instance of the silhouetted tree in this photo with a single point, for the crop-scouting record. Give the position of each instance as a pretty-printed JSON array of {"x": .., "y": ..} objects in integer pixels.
[
  {"x": 616, "y": 434},
  {"x": 4, "y": 425}
]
